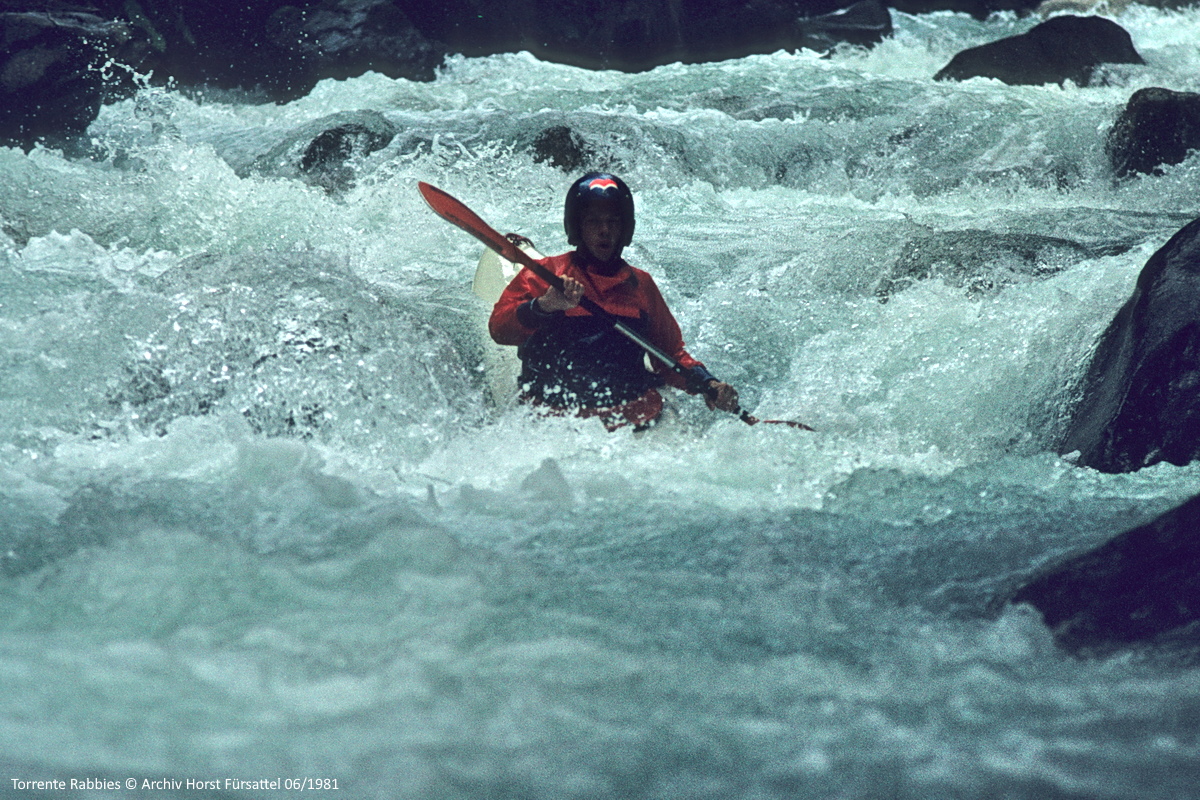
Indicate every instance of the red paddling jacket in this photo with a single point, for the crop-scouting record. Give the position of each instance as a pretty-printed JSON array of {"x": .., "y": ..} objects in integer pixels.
[{"x": 571, "y": 359}]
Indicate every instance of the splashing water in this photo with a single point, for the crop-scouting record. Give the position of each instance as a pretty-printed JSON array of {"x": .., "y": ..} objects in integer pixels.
[{"x": 263, "y": 521}]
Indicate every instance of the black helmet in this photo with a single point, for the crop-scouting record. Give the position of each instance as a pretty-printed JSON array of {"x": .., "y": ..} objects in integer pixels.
[{"x": 598, "y": 186}]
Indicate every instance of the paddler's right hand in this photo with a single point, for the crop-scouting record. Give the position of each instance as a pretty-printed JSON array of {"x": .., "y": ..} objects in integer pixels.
[
  {"x": 721, "y": 395},
  {"x": 556, "y": 300}
]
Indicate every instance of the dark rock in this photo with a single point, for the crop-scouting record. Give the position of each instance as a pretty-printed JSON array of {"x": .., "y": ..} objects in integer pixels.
[
  {"x": 563, "y": 148},
  {"x": 222, "y": 44},
  {"x": 276, "y": 50},
  {"x": 1139, "y": 400},
  {"x": 342, "y": 39},
  {"x": 864, "y": 23},
  {"x": 979, "y": 9},
  {"x": 597, "y": 34},
  {"x": 1061, "y": 49},
  {"x": 984, "y": 262},
  {"x": 593, "y": 34},
  {"x": 328, "y": 159},
  {"x": 1139, "y": 586},
  {"x": 712, "y": 30},
  {"x": 325, "y": 152},
  {"x": 1157, "y": 127},
  {"x": 53, "y": 75}
]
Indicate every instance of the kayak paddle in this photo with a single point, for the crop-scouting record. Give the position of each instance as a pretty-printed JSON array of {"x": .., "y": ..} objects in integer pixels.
[{"x": 452, "y": 210}]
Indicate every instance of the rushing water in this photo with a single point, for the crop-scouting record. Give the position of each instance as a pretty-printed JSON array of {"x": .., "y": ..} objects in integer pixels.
[{"x": 262, "y": 520}]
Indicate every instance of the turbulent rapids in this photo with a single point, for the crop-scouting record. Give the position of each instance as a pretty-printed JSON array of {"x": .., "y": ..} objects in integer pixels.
[{"x": 263, "y": 518}]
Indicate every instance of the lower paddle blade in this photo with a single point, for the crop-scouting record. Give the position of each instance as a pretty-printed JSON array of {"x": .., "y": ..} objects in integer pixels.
[
  {"x": 790, "y": 422},
  {"x": 752, "y": 420}
]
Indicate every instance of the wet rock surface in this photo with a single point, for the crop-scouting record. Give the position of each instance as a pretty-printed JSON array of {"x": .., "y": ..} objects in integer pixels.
[
  {"x": 984, "y": 262},
  {"x": 55, "y": 73},
  {"x": 326, "y": 151},
  {"x": 1061, "y": 49},
  {"x": 1138, "y": 402},
  {"x": 1139, "y": 587},
  {"x": 1158, "y": 127},
  {"x": 562, "y": 147},
  {"x": 341, "y": 39}
]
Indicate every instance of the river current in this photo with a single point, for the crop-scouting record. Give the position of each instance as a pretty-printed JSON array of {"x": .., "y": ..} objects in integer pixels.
[{"x": 262, "y": 519}]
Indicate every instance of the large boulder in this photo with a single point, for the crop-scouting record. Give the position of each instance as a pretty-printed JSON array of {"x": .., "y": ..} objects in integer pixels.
[
  {"x": 326, "y": 152},
  {"x": 342, "y": 39},
  {"x": 1138, "y": 587},
  {"x": 1139, "y": 404},
  {"x": 1157, "y": 127},
  {"x": 277, "y": 49},
  {"x": 562, "y": 148},
  {"x": 979, "y": 9},
  {"x": 865, "y": 23},
  {"x": 53, "y": 75},
  {"x": 1067, "y": 48},
  {"x": 269, "y": 49},
  {"x": 984, "y": 262},
  {"x": 599, "y": 34}
]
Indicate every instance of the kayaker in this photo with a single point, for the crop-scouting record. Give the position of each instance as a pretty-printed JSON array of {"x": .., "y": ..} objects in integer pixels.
[{"x": 573, "y": 362}]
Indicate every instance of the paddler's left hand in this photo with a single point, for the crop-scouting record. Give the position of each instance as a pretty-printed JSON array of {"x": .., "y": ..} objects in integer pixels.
[{"x": 726, "y": 397}]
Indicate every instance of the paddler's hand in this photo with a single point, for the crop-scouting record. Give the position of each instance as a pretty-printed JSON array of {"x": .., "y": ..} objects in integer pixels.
[
  {"x": 726, "y": 396},
  {"x": 555, "y": 300}
]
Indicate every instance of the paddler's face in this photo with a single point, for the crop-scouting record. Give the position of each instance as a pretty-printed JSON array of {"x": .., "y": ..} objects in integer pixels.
[{"x": 600, "y": 228}]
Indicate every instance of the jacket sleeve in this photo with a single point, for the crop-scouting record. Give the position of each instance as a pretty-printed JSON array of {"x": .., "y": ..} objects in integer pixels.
[
  {"x": 664, "y": 332},
  {"x": 514, "y": 317}
]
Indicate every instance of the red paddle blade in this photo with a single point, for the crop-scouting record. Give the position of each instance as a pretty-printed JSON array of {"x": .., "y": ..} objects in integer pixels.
[{"x": 457, "y": 213}]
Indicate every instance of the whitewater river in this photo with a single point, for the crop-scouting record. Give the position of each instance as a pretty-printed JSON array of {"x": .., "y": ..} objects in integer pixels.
[{"x": 262, "y": 520}]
